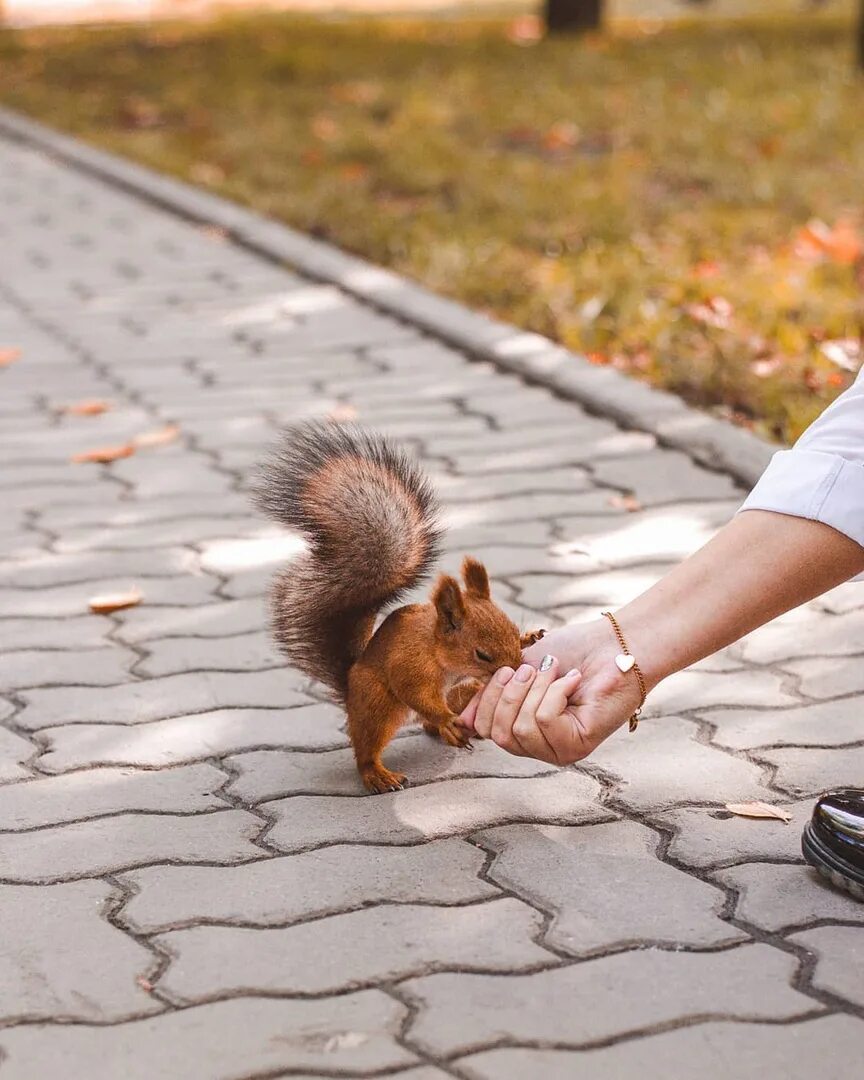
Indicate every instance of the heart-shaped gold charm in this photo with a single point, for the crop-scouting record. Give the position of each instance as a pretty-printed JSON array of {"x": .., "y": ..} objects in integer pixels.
[{"x": 624, "y": 663}]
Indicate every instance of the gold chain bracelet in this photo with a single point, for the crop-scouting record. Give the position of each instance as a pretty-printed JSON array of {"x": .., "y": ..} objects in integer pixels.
[{"x": 625, "y": 661}]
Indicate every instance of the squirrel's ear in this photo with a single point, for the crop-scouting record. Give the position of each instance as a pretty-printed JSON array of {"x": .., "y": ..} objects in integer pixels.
[
  {"x": 447, "y": 598},
  {"x": 475, "y": 577}
]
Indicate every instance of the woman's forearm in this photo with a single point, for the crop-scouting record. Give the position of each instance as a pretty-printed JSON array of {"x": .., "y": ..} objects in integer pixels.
[{"x": 758, "y": 566}]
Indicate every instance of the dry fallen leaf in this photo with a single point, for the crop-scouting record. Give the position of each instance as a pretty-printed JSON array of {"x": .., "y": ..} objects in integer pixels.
[
  {"x": 90, "y": 407},
  {"x": 104, "y": 605},
  {"x": 759, "y": 810},
  {"x": 625, "y": 502},
  {"x": 159, "y": 437},
  {"x": 103, "y": 454},
  {"x": 342, "y": 414},
  {"x": 9, "y": 356},
  {"x": 145, "y": 984}
]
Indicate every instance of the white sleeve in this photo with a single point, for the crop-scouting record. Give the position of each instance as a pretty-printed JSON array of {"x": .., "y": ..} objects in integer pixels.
[{"x": 822, "y": 476}]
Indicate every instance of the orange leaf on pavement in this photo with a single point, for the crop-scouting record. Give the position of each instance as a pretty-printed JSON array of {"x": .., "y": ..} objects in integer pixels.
[
  {"x": 9, "y": 356},
  {"x": 342, "y": 414},
  {"x": 759, "y": 810},
  {"x": 159, "y": 437},
  {"x": 103, "y": 454},
  {"x": 89, "y": 407},
  {"x": 625, "y": 502},
  {"x": 108, "y": 602}
]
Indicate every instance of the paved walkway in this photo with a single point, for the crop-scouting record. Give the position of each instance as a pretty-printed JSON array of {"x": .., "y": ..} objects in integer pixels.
[{"x": 194, "y": 886}]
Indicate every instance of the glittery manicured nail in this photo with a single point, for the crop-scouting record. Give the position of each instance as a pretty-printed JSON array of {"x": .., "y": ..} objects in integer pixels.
[
  {"x": 547, "y": 662},
  {"x": 524, "y": 673}
]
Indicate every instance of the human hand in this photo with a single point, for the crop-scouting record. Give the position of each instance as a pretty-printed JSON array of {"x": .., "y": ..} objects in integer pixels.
[{"x": 553, "y": 717}]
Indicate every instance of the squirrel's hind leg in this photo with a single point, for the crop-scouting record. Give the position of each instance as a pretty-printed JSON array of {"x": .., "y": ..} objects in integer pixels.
[{"x": 374, "y": 717}]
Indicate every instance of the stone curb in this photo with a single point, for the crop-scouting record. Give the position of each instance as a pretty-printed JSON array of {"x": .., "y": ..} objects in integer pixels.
[{"x": 710, "y": 441}]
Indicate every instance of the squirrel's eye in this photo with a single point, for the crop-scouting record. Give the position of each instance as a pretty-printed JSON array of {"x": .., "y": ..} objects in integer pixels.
[{"x": 485, "y": 657}]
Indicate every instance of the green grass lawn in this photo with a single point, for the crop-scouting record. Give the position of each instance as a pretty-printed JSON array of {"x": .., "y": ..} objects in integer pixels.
[{"x": 643, "y": 198}]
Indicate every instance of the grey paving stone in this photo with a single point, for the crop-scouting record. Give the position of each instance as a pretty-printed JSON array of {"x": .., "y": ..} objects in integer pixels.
[
  {"x": 50, "y": 667},
  {"x": 811, "y": 771},
  {"x": 449, "y": 808},
  {"x": 744, "y": 1051},
  {"x": 226, "y": 1039},
  {"x": 839, "y": 952},
  {"x": 96, "y": 792},
  {"x": 372, "y": 945},
  {"x": 180, "y": 739},
  {"x": 61, "y": 600},
  {"x": 192, "y": 738},
  {"x": 846, "y": 597},
  {"x": 161, "y": 533},
  {"x": 776, "y": 897},
  {"x": 64, "y": 960},
  {"x": 827, "y": 676},
  {"x": 594, "y": 880},
  {"x": 221, "y": 619},
  {"x": 159, "y": 699},
  {"x": 106, "y": 845},
  {"x": 826, "y": 635},
  {"x": 610, "y": 996},
  {"x": 708, "y": 836},
  {"x": 84, "y": 632},
  {"x": 145, "y": 511},
  {"x": 661, "y": 764},
  {"x": 286, "y": 889},
  {"x": 50, "y": 569},
  {"x": 701, "y": 689},
  {"x": 14, "y": 751},
  {"x": 245, "y": 652},
  {"x": 662, "y": 476},
  {"x": 272, "y": 774},
  {"x": 461, "y": 489},
  {"x": 832, "y": 723}
]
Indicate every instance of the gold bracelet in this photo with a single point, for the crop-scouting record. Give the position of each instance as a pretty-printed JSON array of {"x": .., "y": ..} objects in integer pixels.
[{"x": 625, "y": 661}]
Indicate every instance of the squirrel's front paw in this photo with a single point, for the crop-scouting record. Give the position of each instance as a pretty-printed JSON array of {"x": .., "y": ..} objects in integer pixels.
[
  {"x": 455, "y": 735},
  {"x": 531, "y": 637},
  {"x": 376, "y": 779}
]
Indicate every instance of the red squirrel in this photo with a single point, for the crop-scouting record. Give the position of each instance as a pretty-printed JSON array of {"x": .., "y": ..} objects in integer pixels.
[{"x": 369, "y": 517}]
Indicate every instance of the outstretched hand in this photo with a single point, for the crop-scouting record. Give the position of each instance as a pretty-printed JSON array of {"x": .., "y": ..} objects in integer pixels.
[{"x": 559, "y": 718}]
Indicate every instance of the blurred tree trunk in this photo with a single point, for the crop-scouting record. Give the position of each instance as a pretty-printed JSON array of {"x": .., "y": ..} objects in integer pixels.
[
  {"x": 861, "y": 36},
  {"x": 574, "y": 16}
]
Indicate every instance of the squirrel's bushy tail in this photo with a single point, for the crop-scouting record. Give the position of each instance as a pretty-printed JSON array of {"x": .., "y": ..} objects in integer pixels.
[{"x": 369, "y": 517}]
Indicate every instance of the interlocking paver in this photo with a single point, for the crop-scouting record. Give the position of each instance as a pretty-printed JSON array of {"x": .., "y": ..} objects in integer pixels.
[
  {"x": 489, "y": 862},
  {"x": 607, "y": 997},
  {"x": 271, "y": 774},
  {"x": 676, "y": 768},
  {"x": 108, "y": 844},
  {"x": 776, "y": 897},
  {"x": 449, "y": 808},
  {"x": 158, "y": 699},
  {"x": 377, "y": 944},
  {"x": 294, "y": 887},
  {"x": 178, "y": 739},
  {"x": 257, "y": 1036},
  {"x": 587, "y": 877},
  {"x": 839, "y": 952},
  {"x": 833, "y": 723},
  {"x": 62, "y": 959},
  {"x": 722, "y": 1050},
  {"x": 711, "y": 836},
  {"x": 97, "y": 792}
]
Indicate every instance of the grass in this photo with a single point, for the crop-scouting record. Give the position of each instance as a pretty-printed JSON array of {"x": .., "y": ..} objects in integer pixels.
[{"x": 641, "y": 197}]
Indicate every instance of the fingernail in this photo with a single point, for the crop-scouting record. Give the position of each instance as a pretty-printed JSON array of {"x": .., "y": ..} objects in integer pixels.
[
  {"x": 547, "y": 662},
  {"x": 524, "y": 673},
  {"x": 573, "y": 673},
  {"x": 504, "y": 676}
]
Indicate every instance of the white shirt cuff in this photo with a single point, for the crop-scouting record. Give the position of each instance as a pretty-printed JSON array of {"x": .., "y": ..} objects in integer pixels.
[{"x": 815, "y": 485}]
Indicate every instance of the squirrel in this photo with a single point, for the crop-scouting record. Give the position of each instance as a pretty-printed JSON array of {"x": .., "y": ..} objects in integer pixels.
[{"x": 370, "y": 520}]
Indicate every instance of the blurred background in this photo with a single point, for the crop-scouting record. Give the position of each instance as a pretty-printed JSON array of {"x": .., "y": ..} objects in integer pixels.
[{"x": 672, "y": 188}]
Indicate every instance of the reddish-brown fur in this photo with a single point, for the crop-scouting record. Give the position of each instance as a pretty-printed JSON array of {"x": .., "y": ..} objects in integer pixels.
[{"x": 369, "y": 517}]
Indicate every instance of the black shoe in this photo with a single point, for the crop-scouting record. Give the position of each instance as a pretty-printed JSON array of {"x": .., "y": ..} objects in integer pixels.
[{"x": 833, "y": 842}]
